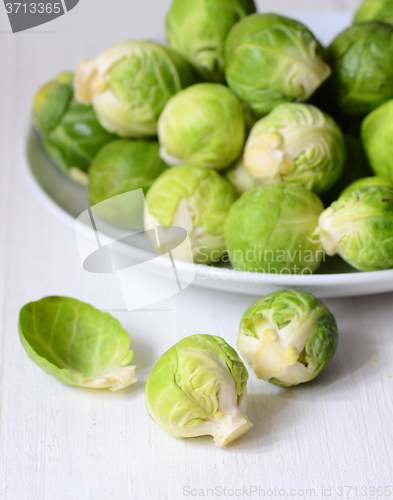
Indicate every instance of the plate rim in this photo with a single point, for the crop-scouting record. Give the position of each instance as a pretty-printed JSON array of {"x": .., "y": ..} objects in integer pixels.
[{"x": 202, "y": 271}]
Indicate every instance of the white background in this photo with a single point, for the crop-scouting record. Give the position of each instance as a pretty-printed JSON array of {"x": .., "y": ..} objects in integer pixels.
[{"x": 59, "y": 442}]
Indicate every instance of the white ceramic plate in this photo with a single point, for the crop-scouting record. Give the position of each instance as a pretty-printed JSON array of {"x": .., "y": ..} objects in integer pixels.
[{"x": 67, "y": 200}]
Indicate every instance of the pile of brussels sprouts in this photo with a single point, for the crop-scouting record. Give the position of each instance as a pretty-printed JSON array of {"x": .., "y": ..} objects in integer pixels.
[
  {"x": 244, "y": 130},
  {"x": 199, "y": 386}
]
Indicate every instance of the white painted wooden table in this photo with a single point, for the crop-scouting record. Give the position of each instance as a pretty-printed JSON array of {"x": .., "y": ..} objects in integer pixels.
[{"x": 59, "y": 442}]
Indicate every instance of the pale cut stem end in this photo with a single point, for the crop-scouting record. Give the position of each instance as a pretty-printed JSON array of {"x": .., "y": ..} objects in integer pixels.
[
  {"x": 267, "y": 159},
  {"x": 83, "y": 82},
  {"x": 172, "y": 161},
  {"x": 116, "y": 380},
  {"x": 79, "y": 176},
  {"x": 328, "y": 234},
  {"x": 230, "y": 427},
  {"x": 328, "y": 243},
  {"x": 317, "y": 76}
]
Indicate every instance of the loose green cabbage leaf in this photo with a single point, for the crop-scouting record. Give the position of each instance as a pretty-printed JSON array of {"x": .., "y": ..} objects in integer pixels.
[{"x": 77, "y": 344}]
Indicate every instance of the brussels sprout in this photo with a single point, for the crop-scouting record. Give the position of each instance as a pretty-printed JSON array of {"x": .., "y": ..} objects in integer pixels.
[
  {"x": 288, "y": 337},
  {"x": 368, "y": 182},
  {"x": 196, "y": 199},
  {"x": 198, "y": 388},
  {"x": 296, "y": 143},
  {"x": 270, "y": 59},
  {"x": 120, "y": 167},
  {"x": 355, "y": 168},
  {"x": 375, "y": 10},
  {"x": 70, "y": 131},
  {"x": 359, "y": 228},
  {"x": 203, "y": 125},
  {"x": 198, "y": 29},
  {"x": 361, "y": 58},
  {"x": 377, "y": 138},
  {"x": 77, "y": 344},
  {"x": 129, "y": 85},
  {"x": 269, "y": 230}
]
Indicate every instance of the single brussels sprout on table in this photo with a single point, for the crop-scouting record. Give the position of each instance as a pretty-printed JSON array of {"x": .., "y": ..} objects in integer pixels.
[
  {"x": 198, "y": 29},
  {"x": 270, "y": 59},
  {"x": 198, "y": 388},
  {"x": 296, "y": 143},
  {"x": 377, "y": 138},
  {"x": 355, "y": 168},
  {"x": 129, "y": 85},
  {"x": 120, "y": 167},
  {"x": 269, "y": 230},
  {"x": 70, "y": 131},
  {"x": 196, "y": 199},
  {"x": 375, "y": 10},
  {"x": 359, "y": 228},
  {"x": 288, "y": 337},
  {"x": 203, "y": 125},
  {"x": 77, "y": 344},
  {"x": 367, "y": 182},
  {"x": 361, "y": 58}
]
